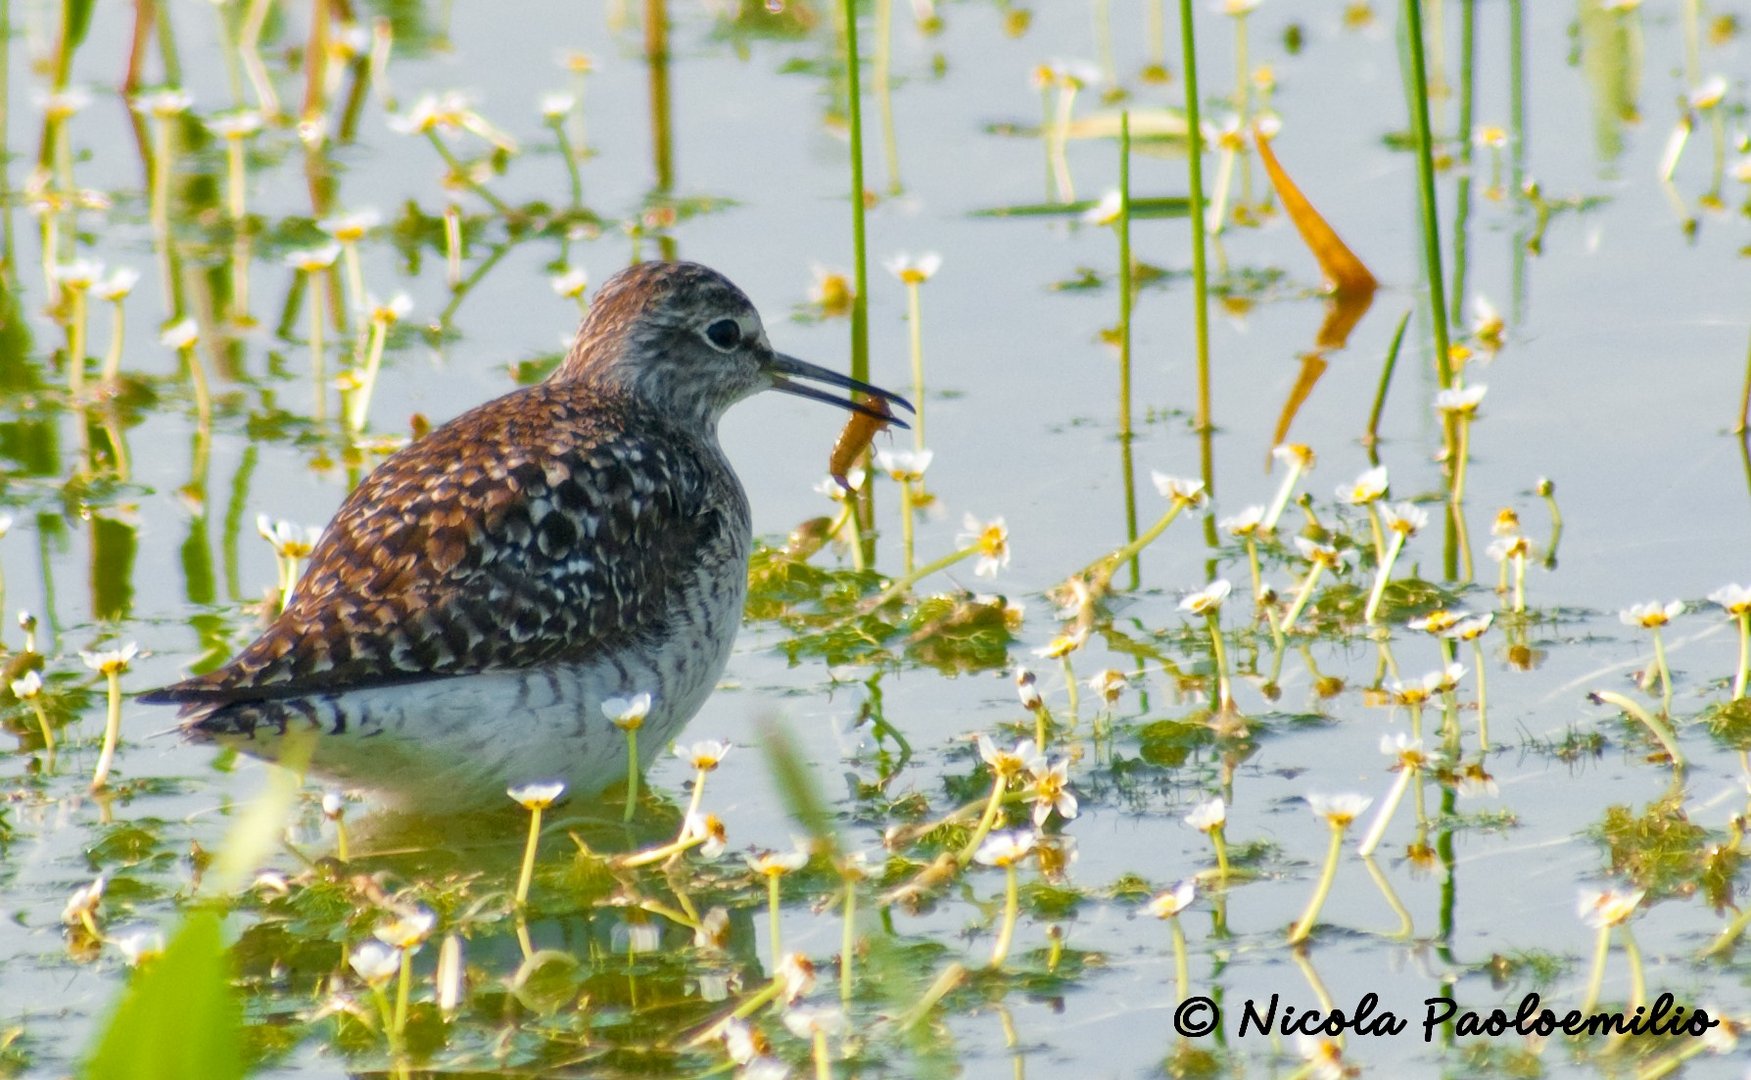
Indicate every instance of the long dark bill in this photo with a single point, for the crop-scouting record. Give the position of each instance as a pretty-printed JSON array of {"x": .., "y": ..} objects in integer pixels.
[{"x": 783, "y": 365}]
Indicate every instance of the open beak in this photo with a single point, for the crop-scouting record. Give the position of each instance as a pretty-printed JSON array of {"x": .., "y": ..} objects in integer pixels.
[{"x": 781, "y": 365}]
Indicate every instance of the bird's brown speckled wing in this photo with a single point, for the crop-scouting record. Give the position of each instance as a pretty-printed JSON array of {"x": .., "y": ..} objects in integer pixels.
[{"x": 529, "y": 530}]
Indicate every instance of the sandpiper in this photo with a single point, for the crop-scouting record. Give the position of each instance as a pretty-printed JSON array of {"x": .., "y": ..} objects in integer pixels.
[{"x": 484, "y": 590}]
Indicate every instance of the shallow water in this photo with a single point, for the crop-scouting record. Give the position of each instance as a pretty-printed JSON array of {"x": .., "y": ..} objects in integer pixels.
[{"x": 1626, "y": 341}]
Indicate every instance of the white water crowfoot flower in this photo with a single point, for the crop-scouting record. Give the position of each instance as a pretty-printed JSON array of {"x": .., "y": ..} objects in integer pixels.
[
  {"x": 1321, "y": 557},
  {"x": 29, "y": 688},
  {"x": 1736, "y": 601},
  {"x": 773, "y": 865},
  {"x": 1167, "y": 905},
  {"x": 1051, "y": 792},
  {"x": 313, "y": 260},
  {"x": 110, "y": 663},
  {"x": 1007, "y": 764},
  {"x": 1339, "y": 812},
  {"x": 1208, "y": 599},
  {"x": 1514, "y": 552},
  {"x": 1180, "y": 490},
  {"x": 292, "y": 544},
  {"x": 534, "y": 798},
  {"x": 571, "y": 283},
  {"x": 1460, "y": 401},
  {"x": 627, "y": 714},
  {"x": 1402, "y": 522},
  {"x": 904, "y": 465},
  {"x": 139, "y": 946},
  {"x": 375, "y": 962},
  {"x": 1006, "y": 850},
  {"x": 1208, "y": 603},
  {"x": 1300, "y": 459},
  {"x": 1369, "y": 487},
  {"x": 1211, "y": 817},
  {"x": 990, "y": 539},
  {"x": 1410, "y": 761},
  {"x": 81, "y": 908},
  {"x": 1653, "y": 615},
  {"x": 817, "y": 1024},
  {"x": 913, "y": 271},
  {"x": 1246, "y": 527},
  {"x": 351, "y": 227},
  {"x": 704, "y": 757},
  {"x": 1106, "y": 211}
]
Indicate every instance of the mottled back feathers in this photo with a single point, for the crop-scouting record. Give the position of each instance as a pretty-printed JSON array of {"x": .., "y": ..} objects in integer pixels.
[{"x": 545, "y": 526}]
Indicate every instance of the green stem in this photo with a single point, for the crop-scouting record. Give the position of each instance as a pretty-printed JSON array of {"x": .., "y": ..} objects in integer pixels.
[
  {"x": 772, "y": 919},
  {"x": 899, "y": 586},
  {"x": 986, "y": 820},
  {"x": 1739, "y": 676},
  {"x": 1011, "y": 910},
  {"x": 1301, "y": 597},
  {"x": 1224, "y": 691},
  {"x": 1380, "y": 579},
  {"x": 914, "y": 310},
  {"x": 1304, "y": 925},
  {"x": 847, "y": 941},
  {"x": 1195, "y": 170},
  {"x": 1124, "y": 554},
  {"x": 1665, "y": 672},
  {"x": 1384, "y": 817},
  {"x": 528, "y": 872},
  {"x": 631, "y": 773},
  {"x": 1219, "y": 838},
  {"x": 1413, "y": 13},
  {"x": 1182, "y": 978},
  {"x": 1601, "y": 948},
  {"x": 112, "y": 732}
]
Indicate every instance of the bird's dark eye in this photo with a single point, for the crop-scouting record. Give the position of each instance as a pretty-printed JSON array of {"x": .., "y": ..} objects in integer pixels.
[{"x": 725, "y": 333}]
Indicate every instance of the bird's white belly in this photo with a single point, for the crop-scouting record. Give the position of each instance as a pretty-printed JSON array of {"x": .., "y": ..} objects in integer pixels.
[{"x": 461, "y": 741}]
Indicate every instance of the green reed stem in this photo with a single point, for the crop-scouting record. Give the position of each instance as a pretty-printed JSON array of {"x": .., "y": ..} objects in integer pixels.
[
  {"x": 1462, "y": 193},
  {"x": 884, "y": 63},
  {"x": 1372, "y": 435},
  {"x": 1219, "y": 839},
  {"x": 1125, "y": 283},
  {"x": 1413, "y": 18},
  {"x": 859, "y": 241},
  {"x": 1195, "y": 171}
]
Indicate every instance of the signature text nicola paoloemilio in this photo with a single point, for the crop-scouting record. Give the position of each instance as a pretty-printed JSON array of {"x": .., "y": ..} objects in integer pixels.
[{"x": 1197, "y": 1016}]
